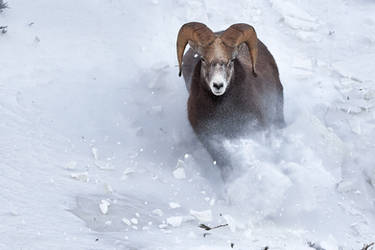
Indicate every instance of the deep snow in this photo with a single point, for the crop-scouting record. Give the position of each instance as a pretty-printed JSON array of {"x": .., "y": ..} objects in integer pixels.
[{"x": 96, "y": 151}]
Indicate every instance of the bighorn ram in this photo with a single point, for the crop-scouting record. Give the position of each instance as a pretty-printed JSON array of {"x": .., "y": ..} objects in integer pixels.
[{"x": 233, "y": 82}]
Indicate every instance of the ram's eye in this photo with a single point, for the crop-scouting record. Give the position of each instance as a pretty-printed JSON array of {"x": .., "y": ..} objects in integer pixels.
[{"x": 203, "y": 60}]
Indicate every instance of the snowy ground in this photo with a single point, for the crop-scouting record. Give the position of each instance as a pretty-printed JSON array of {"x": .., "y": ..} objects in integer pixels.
[{"x": 96, "y": 151}]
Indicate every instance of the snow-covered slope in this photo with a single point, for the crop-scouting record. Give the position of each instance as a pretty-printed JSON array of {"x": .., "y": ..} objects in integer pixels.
[{"x": 96, "y": 151}]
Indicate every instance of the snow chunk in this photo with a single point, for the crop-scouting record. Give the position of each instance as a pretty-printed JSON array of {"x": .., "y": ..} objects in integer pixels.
[
  {"x": 180, "y": 164},
  {"x": 179, "y": 173},
  {"x": 134, "y": 220},
  {"x": 212, "y": 202},
  {"x": 94, "y": 152},
  {"x": 108, "y": 188},
  {"x": 71, "y": 165},
  {"x": 104, "y": 205},
  {"x": 126, "y": 221},
  {"x": 174, "y": 205},
  {"x": 203, "y": 216},
  {"x": 158, "y": 212},
  {"x": 84, "y": 176},
  {"x": 174, "y": 221}
]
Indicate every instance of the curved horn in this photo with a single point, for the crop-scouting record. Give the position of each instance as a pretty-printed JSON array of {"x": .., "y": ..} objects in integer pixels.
[
  {"x": 239, "y": 33},
  {"x": 196, "y": 32}
]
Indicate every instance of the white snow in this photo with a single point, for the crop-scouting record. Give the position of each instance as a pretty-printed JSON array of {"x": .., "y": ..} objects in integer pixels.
[
  {"x": 71, "y": 165},
  {"x": 179, "y": 173},
  {"x": 294, "y": 16},
  {"x": 126, "y": 221},
  {"x": 93, "y": 121},
  {"x": 231, "y": 223},
  {"x": 174, "y": 205},
  {"x": 158, "y": 212},
  {"x": 175, "y": 221},
  {"x": 108, "y": 188},
  {"x": 84, "y": 176},
  {"x": 103, "y": 165},
  {"x": 134, "y": 220},
  {"x": 202, "y": 216},
  {"x": 95, "y": 153},
  {"x": 104, "y": 205}
]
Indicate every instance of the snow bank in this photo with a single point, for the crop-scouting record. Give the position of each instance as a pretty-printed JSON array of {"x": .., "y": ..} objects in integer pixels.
[{"x": 96, "y": 150}]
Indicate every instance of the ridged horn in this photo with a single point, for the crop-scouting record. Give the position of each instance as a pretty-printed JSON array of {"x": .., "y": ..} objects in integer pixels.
[
  {"x": 196, "y": 32},
  {"x": 239, "y": 33}
]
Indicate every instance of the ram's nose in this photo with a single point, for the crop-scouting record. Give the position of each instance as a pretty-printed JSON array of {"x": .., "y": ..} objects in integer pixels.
[{"x": 218, "y": 86}]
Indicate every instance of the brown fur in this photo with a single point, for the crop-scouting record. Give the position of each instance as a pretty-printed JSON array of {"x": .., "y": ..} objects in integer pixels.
[{"x": 250, "y": 103}]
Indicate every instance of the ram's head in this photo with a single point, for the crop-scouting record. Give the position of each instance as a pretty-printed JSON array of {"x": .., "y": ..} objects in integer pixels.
[{"x": 217, "y": 52}]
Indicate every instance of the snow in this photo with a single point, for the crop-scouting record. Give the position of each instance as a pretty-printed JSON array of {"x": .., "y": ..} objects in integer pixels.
[
  {"x": 84, "y": 176},
  {"x": 175, "y": 221},
  {"x": 158, "y": 212},
  {"x": 71, "y": 165},
  {"x": 134, "y": 220},
  {"x": 93, "y": 122},
  {"x": 179, "y": 173},
  {"x": 294, "y": 16},
  {"x": 95, "y": 153},
  {"x": 174, "y": 205},
  {"x": 126, "y": 221},
  {"x": 202, "y": 216},
  {"x": 104, "y": 205}
]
